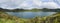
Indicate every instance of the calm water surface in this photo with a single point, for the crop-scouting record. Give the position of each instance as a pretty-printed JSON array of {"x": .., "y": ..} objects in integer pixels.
[{"x": 30, "y": 14}]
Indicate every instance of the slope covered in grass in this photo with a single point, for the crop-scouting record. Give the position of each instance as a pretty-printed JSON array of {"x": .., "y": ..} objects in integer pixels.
[{"x": 6, "y": 18}]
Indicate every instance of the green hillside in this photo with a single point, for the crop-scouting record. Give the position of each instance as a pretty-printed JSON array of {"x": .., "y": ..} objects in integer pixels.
[{"x": 6, "y": 18}]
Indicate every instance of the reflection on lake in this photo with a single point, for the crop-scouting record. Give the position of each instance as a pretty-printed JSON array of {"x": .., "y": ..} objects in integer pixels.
[{"x": 30, "y": 14}]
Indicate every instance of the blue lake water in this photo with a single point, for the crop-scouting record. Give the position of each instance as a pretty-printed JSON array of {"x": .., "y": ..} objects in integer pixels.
[{"x": 30, "y": 14}]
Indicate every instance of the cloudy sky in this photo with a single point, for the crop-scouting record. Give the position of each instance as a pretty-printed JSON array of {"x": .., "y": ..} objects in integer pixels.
[{"x": 29, "y": 4}]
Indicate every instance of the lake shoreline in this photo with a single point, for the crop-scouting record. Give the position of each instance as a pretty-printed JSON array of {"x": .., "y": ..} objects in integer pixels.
[{"x": 6, "y": 18}]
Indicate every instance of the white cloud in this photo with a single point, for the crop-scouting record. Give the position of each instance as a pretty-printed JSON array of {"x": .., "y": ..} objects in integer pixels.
[
  {"x": 47, "y": 0},
  {"x": 28, "y": 4},
  {"x": 37, "y": 2},
  {"x": 24, "y": 4},
  {"x": 50, "y": 5},
  {"x": 3, "y": 1}
]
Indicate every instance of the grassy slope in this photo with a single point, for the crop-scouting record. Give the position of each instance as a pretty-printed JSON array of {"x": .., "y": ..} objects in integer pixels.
[{"x": 6, "y": 18}]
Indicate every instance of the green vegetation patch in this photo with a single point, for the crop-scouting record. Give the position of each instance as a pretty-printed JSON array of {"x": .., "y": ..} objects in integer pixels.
[{"x": 6, "y": 18}]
